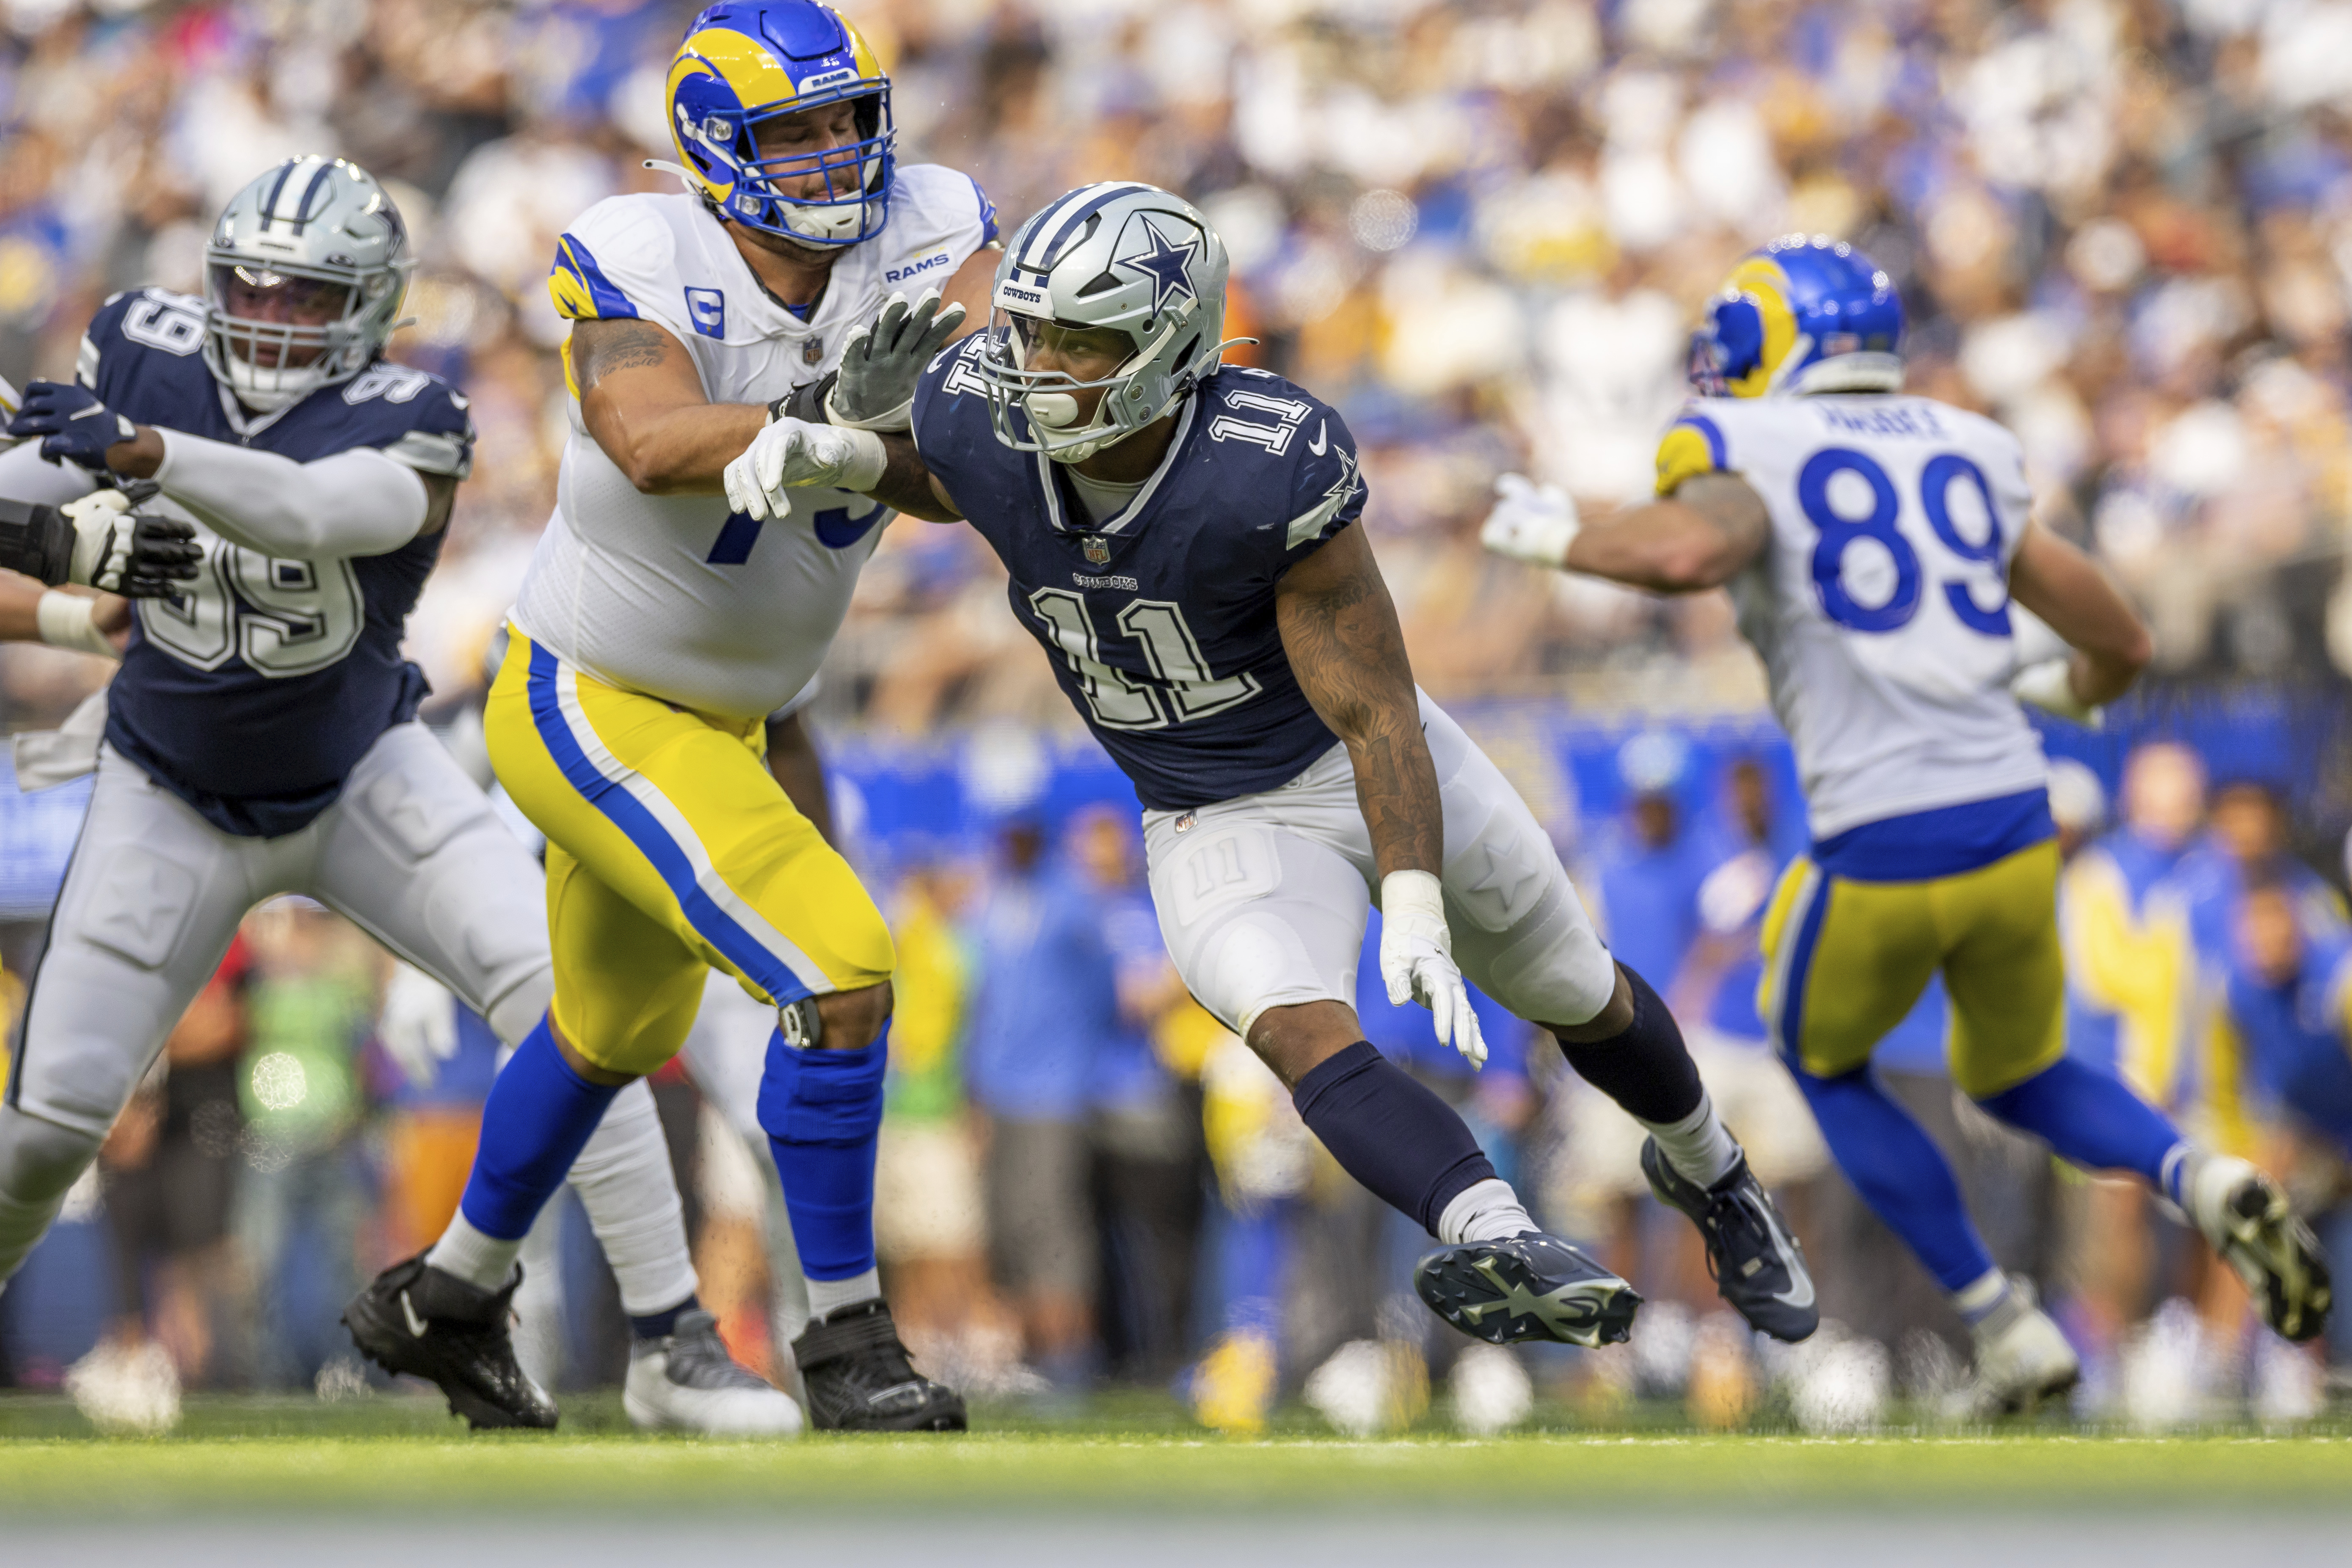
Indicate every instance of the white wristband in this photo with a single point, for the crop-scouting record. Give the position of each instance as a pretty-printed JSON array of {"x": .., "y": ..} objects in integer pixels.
[
  {"x": 867, "y": 460},
  {"x": 1412, "y": 893},
  {"x": 69, "y": 620}
]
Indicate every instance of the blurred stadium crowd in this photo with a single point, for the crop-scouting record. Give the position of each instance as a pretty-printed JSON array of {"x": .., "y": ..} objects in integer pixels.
[{"x": 1481, "y": 228}]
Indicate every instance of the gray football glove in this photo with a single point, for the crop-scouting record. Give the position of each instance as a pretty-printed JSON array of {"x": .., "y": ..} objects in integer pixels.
[
  {"x": 881, "y": 362},
  {"x": 100, "y": 542}
]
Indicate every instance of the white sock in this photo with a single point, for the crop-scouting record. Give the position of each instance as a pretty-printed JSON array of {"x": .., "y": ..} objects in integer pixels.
[
  {"x": 829, "y": 1296},
  {"x": 625, "y": 1183},
  {"x": 1699, "y": 1147},
  {"x": 1987, "y": 1304},
  {"x": 482, "y": 1261},
  {"x": 1487, "y": 1210}
]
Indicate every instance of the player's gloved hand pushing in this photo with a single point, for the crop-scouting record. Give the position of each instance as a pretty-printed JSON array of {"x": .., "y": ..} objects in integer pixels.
[
  {"x": 1417, "y": 960},
  {"x": 1530, "y": 522},
  {"x": 793, "y": 454},
  {"x": 73, "y": 425},
  {"x": 881, "y": 362},
  {"x": 100, "y": 542}
]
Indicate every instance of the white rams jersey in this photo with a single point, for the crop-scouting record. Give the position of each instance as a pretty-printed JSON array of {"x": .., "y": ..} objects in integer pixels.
[
  {"x": 1880, "y": 608},
  {"x": 673, "y": 595}
]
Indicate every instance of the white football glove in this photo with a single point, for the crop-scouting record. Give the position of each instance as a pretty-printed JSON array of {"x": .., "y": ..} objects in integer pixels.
[
  {"x": 2047, "y": 686},
  {"x": 418, "y": 1027},
  {"x": 792, "y": 454},
  {"x": 1417, "y": 960},
  {"x": 1530, "y": 522}
]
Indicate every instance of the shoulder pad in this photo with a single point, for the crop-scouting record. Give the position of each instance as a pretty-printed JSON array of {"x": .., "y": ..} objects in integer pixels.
[{"x": 1693, "y": 445}]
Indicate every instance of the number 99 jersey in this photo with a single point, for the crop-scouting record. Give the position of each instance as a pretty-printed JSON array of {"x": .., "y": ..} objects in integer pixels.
[
  {"x": 253, "y": 692},
  {"x": 1881, "y": 606}
]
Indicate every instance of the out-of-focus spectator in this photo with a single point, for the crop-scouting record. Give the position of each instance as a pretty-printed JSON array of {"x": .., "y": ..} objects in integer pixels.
[{"x": 1047, "y": 1002}]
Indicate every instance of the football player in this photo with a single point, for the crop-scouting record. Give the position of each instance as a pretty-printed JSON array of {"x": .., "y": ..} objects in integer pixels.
[
  {"x": 658, "y": 628},
  {"x": 1181, "y": 537},
  {"x": 1875, "y": 544},
  {"x": 259, "y": 737}
]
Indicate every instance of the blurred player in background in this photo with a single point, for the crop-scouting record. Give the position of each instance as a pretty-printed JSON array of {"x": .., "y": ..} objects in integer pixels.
[
  {"x": 1179, "y": 536},
  {"x": 1873, "y": 543},
  {"x": 259, "y": 737},
  {"x": 656, "y": 630}
]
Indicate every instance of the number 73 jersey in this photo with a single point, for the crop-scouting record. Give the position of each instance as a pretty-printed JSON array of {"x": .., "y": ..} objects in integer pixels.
[{"x": 1880, "y": 608}]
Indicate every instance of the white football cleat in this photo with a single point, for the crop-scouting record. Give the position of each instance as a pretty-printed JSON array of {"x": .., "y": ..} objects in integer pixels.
[
  {"x": 686, "y": 1381},
  {"x": 2021, "y": 1358},
  {"x": 2245, "y": 1216},
  {"x": 127, "y": 1387}
]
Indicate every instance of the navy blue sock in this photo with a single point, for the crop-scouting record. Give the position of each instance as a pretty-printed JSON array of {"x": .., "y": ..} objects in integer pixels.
[
  {"x": 2091, "y": 1118},
  {"x": 1403, "y": 1144},
  {"x": 1645, "y": 1068},
  {"x": 823, "y": 1113},
  {"x": 537, "y": 1120},
  {"x": 1899, "y": 1173},
  {"x": 661, "y": 1325}
]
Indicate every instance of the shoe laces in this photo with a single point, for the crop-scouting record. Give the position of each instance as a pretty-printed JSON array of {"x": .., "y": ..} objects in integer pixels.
[{"x": 1736, "y": 1232}]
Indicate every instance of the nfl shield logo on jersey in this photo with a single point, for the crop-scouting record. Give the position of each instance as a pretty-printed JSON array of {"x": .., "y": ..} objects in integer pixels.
[
  {"x": 1097, "y": 549},
  {"x": 812, "y": 349}
]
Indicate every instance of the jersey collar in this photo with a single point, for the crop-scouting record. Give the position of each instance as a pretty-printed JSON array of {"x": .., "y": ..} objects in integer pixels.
[{"x": 1059, "y": 513}]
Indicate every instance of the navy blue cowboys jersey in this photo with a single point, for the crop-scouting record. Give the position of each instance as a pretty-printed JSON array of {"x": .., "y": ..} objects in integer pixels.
[
  {"x": 1161, "y": 621},
  {"x": 253, "y": 694}
]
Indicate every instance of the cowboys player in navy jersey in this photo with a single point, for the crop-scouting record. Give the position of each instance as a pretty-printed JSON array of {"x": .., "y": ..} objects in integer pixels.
[
  {"x": 260, "y": 736},
  {"x": 1180, "y": 537}
]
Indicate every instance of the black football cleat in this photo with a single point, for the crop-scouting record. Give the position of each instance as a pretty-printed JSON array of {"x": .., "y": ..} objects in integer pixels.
[
  {"x": 1758, "y": 1266},
  {"x": 1532, "y": 1287},
  {"x": 418, "y": 1320},
  {"x": 860, "y": 1377}
]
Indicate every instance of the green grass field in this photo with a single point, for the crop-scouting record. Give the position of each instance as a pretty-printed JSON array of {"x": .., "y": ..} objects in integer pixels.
[{"x": 402, "y": 1454}]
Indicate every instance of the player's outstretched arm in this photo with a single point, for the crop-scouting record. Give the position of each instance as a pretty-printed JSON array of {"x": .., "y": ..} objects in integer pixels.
[
  {"x": 1340, "y": 631},
  {"x": 643, "y": 402},
  {"x": 1700, "y": 537},
  {"x": 2083, "y": 605},
  {"x": 795, "y": 454}
]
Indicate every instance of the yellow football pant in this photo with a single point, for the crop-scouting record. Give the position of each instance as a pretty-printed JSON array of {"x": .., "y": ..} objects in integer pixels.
[
  {"x": 1845, "y": 960},
  {"x": 671, "y": 850}
]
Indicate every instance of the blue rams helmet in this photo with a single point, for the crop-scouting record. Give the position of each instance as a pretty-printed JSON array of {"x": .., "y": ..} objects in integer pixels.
[
  {"x": 746, "y": 63},
  {"x": 1801, "y": 315}
]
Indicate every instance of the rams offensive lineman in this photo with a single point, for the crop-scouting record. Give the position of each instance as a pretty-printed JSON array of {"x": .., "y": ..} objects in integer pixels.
[
  {"x": 259, "y": 736},
  {"x": 658, "y": 628},
  {"x": 1875, "y": 544},
  {"x": 1181, "y": 538}
]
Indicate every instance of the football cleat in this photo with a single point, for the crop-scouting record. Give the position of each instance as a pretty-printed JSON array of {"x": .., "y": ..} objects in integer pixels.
[
  {"x": 860, "y": 1379},
  {"x": 2245, "y": 1216},
  {"x": 2023, "y": 1359},
  {"x": 686, "y": 1381},
  {"x": 419, "y": 1319},
  {"x": 1531, "y": 1287},
  {"x": 1758, "y": 1266}
]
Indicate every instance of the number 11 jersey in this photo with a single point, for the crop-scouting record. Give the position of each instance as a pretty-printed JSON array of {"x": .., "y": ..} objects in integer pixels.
[{"x": 1881, "y": 606}]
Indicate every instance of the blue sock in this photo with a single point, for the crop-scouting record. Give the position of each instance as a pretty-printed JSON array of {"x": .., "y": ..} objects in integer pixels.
[
  {"x": 1393, "y": 1134},
  {"x": 2090, "y": 1117},
  {"x": 534, "y": 1125},
  {"x": 661, "y": 1325},
  {"x": 823, "y": 1113},
  {"x": 1899, "y": 1173},
  {"x": 1255, "y": 1255}
]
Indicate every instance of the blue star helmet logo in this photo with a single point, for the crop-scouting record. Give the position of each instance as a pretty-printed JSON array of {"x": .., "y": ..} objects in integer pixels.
[{"x": 1170, "y": 266}]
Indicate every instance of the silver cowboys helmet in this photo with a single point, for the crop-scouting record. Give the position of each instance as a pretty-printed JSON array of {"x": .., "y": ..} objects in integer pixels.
[
  {"x": 1123, "y": 257},
  {"x": 303, "y": 279}
]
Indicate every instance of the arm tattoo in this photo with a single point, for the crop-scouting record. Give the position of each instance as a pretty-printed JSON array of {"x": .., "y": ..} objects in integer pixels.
[
  {"x": 907, "y": 484},
  {"x": 600, "y": 347},
  {"x": 1339, "y": 630}
]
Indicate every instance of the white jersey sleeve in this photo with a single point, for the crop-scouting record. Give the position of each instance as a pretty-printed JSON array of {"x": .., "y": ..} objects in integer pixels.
[
  {"x": 618, "y": 261},
  {"x": 1881, "y": 606}
]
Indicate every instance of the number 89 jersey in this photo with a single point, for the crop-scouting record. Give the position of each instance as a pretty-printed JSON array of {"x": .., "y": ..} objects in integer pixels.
[
  {"x": 252, "y": 694},
  {"x": 1881, "y": 606}
]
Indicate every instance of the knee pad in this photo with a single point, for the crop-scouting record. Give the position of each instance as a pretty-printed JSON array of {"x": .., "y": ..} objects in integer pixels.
[
  {"x": 38, "y": 1158},
  {"x": 823, "y": 1097},
  {"x": 519, "y": 1011},
  {"x": 1551, "y": 968}
]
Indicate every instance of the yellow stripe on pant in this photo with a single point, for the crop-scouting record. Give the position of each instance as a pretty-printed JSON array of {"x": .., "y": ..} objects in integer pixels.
[
  {"x": 1845, "y": 960},
  {"x": 671, "y": 850}
]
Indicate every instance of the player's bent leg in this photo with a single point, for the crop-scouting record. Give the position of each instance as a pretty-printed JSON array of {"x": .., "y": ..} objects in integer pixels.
[
  {"x": 1522, "y": 936},
  {"x": 149, "y": 906}
]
